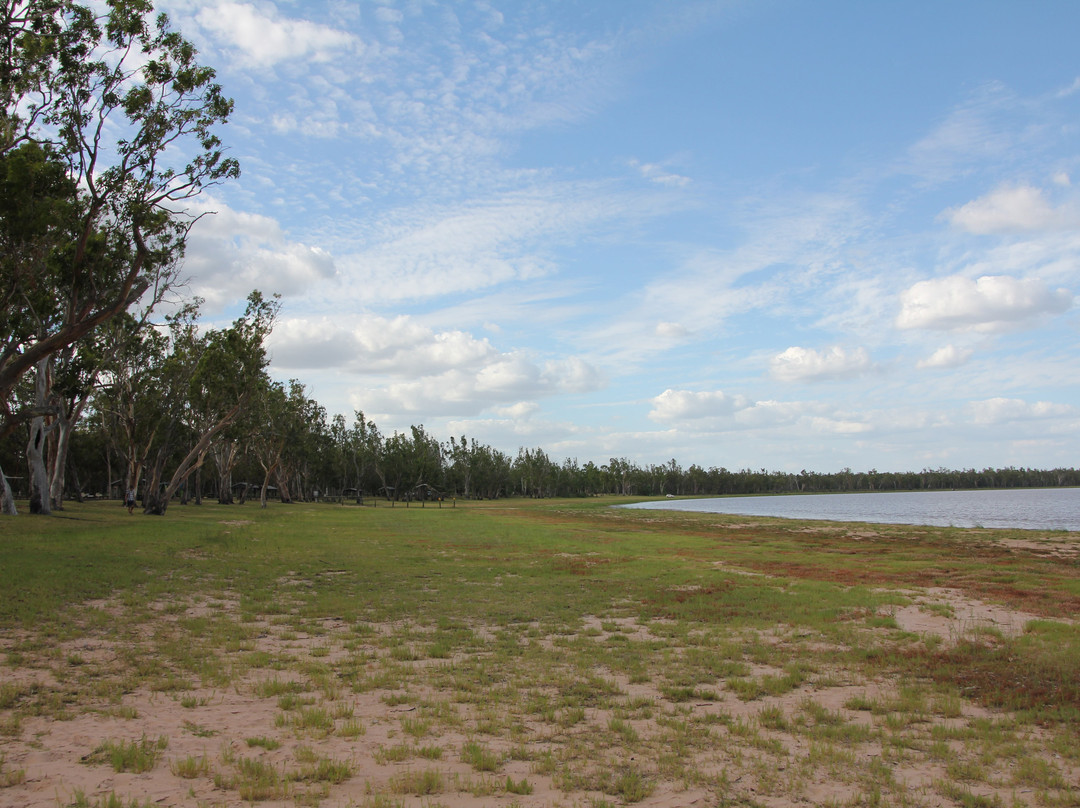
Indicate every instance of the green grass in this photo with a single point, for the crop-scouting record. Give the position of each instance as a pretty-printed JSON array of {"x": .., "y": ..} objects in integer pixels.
[
  {"x": 130, "y": 756},
  {"x": 563, "y": 637}
]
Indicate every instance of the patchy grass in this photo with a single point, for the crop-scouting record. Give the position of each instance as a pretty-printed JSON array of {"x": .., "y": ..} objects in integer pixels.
[{"x": 610, "y": 655}]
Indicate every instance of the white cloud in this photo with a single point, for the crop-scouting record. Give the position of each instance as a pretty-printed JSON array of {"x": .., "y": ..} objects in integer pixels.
[
  {"x": 412, "y": 368},
  {"x": 520, "y": 411},
  {"x": 948, "y": 356},
  {"x": 660, "y": 175},
  {"x": 1014, "y": 209},
  {"x": 1002, "y": 410},
  {"x": 571, "y": 375},
  {"x": 426, "y": 252},
  {"x": 772, "y": 413},
  {"x": 978, "y": 130},
  {"x": 263, "y": 40},
  {"x": 372, "y": 344},
  {"x": 990, "y": 303},
  {"x": 229, "y": 253},
  {"x": 714, "y": 412},
  {"x": 507, "y": 378},
  {"x": 836, "y": 426},
  {"x": 798, "y": 364},
  {"x": 684, "y": 405},
  {"x": 671, "y": 331}
]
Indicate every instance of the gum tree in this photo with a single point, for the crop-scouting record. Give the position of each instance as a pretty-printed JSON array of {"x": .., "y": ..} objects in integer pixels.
[
  {"x": 107, "y": 120},
  {"x": 205, "y": 384}
]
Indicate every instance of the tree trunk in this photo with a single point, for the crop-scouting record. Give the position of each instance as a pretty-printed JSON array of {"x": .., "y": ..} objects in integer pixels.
[
  {"x": 283, "y": 486},
  {"x": 157, "y": 502},
  {"x": 269, "y": 470},
  {"x": 7, "y": 499},
  {"x": 65, "y": 423},
  {"x": 35, "y": 446},
  {"x": 225, "y": 454}
]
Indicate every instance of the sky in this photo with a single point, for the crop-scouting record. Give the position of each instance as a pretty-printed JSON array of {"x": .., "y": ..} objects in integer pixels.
[{"x": 745, "y": 234}]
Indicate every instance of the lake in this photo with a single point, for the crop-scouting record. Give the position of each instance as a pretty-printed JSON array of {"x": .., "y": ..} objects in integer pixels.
[{"x": 1025, "y": 508}]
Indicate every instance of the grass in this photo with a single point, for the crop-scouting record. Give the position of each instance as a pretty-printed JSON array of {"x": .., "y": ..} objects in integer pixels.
[
  {"x": 744, "y": 658},
  {"x": 129, "y": 756}
]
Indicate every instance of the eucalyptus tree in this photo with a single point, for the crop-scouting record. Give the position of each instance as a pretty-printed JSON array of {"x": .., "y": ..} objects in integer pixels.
[
  {"x": 201, "y": 387},
  {"x": 410, "y": 463},
  {"x": 299, "y": 472},
  {"x": 475, "y": 469},
  {"x": 535, "y": 473},
  {"x": 75, "y": 374},
  {"x": 106, "y": 133},
  {"x": 127, "y": 400},
  {"x": 281, "y": 420},
  {"x": 365, "y": 446}
]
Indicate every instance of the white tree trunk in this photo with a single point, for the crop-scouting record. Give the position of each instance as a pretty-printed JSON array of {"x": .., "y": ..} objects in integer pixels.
[
  {"x": 7, "y": 499},
  {"x": 35, "y": 446}
]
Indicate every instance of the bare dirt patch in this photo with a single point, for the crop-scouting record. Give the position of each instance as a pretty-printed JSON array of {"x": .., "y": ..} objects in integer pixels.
[{"x": 950, "y": 615}]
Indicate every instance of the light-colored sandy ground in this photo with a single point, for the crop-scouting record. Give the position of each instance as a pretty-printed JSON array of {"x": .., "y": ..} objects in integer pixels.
[{"x": 58, "y": 768}]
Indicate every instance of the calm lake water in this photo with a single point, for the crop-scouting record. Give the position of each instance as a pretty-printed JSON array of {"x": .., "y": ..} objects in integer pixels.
[{"x": 1026, "y": 508}]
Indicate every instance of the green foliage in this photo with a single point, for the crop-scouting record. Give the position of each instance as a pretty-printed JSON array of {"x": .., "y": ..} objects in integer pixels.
[{"x": 95, "y": 220}]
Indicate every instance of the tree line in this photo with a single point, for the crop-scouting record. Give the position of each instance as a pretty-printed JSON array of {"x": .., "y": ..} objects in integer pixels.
[
  {"x": 180, "y": 425},
  {"x": 108, "y": 131}
]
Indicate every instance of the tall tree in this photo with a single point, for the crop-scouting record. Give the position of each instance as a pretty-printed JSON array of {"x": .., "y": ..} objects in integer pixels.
[
  {"x": 206, "y": 383},
  {"x": 98, "y": 104}
]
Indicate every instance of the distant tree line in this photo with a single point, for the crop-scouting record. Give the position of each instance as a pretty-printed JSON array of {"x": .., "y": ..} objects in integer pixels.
[
  {"x": 282, "y": 446},
  {"x": 107, "y": 132}
]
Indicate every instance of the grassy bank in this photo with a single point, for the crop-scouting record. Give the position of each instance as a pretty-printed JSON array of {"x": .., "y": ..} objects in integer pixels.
[{"x": 537, "y": 653}]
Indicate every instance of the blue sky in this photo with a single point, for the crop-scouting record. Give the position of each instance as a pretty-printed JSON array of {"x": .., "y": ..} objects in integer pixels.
[{"x": 746, "y": 234}]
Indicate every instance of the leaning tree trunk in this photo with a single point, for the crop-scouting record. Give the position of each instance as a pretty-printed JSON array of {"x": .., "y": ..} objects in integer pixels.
[
  {"x": 269, "y": 470},
  {"x": 157, "y": 501},
  {"x": 283, "y": 485}
]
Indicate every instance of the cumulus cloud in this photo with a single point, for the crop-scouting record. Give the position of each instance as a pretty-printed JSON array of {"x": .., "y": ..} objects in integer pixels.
[
  {"x": 1016, "y": 209},
  {"x": 520, "y": 411},
  {"x": 772, "y": 413},
  {"x": 684, "y": 405},
  {"x": 990, "y": 303},
  {"x": 948, "y": 356},
  {"x": 1001, "y": 410},
  {"x": 372, "y": 344},
  {"x": 413, "y": 368},
  {"x": 263, "y": 40},
  {"x": 229, "y": 253},
  {"x": 716, "y": 411},
  {"x": 798, "y": 364}
]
